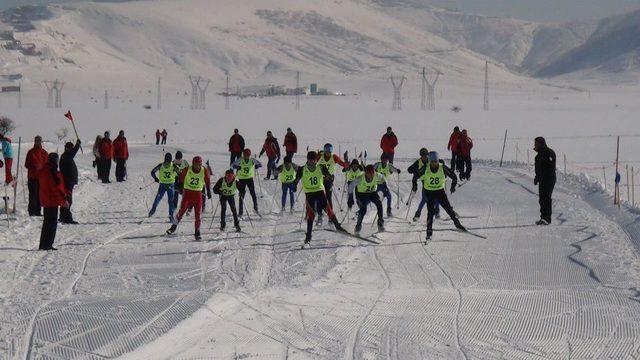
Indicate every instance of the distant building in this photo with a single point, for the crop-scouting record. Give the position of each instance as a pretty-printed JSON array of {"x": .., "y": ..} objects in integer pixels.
[{"x": 313, "y": 88}]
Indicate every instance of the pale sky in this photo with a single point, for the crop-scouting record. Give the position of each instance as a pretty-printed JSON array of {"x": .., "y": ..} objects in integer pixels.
[{"x": 536, "y": 10}]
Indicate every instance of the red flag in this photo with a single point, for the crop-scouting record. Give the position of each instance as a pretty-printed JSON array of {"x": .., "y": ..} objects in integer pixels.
[{"x": 69, "y": 116}]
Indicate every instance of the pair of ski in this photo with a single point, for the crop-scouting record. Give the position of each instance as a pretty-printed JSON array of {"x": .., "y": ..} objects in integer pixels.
[
  {"x": 428, "y": 239},
  {"x": 307, "y": 245}
]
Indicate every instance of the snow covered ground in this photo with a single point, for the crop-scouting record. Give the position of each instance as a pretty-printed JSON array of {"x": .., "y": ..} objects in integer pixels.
[{"x": 118, "y": 285}]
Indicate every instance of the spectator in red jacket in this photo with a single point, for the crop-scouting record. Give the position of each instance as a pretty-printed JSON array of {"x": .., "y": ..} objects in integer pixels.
[
  {"x": 454, "y": 139},
  {"x": 465, "y": 144},
  {"x": 36, "y": 159},
  {"x": 121, "y": 155},
  {"x": 388, "y": 144},
  {"x": 236, "y": 146},
  {"x": 52, "y": 194},
  {"x": 158, "y": 135},
  {"x": 164, "y": 134},
  {"x": 290, "y": 143},
  {"x": 272, "y": 149},
  {"x": 106, "y": 156}
]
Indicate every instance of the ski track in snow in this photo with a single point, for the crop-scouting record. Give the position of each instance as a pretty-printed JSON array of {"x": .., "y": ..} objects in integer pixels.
[{"x": 118, "y": 286}]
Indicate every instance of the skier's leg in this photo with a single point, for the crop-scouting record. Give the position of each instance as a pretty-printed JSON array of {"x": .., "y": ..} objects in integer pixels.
[
  {"x": 292, "y": 197},
  {"x": 232, "y": 205},
  {"x": 310, "y": 206},
  {"x": 467, "y": 161},
  {"x": 158, "y": 198},
  {"x": 171, "y": 193},
  {"x": 284, "y": 195},
  {"x": 363, "y": 202},
  {"x": 378, "y": 203},
  {"x": 223, "y": 211},
  {"x": 430, "y": 211},
  {"x": 197, "y": 207},
  {"x": 328, "y": 187},
  {"x": 252, "y": 191},
  {"x": 440, "y": 197},
  {"x": 242, "y": 190},
  {"x": 423, "y": 202},
  {"x": 384, "y": 188}
]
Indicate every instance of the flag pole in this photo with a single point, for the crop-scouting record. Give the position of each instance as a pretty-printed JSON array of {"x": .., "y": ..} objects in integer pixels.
[{"x": 73, "y": 123}]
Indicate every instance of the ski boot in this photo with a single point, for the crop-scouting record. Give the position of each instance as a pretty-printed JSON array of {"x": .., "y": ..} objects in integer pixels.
[
  {"x": 172, "y": 229},
  {"x": 319, "y": 220},
  {"x": 222, "y": 226},
  {"x": 197, "y": 235},
  {"x": 416, "y": 217},
  {"x": 460, "y": 227},
  {"x": 427, "y": 239},
  {"x": 291, "y": 210},
  {"x": 357, "y": 229},
  {"x": 389, "y": 213},
  {"x": 238, "y": 228},
  {"x": 542, "y": 222},
  {"x": 380, "y": 227},
  {"x": 151, "y": 212},
  {"x": 437, "y": 215}
]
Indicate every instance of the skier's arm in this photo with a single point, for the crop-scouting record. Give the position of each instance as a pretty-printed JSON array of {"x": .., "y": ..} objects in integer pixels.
[
  {"x": 207, "y": 183},
  {"x": 236, "y": 164},
  {"x": 413, "y": 168},
  {"x": 154, "y": 171},
  {"x": 264, "y": 147},
  {"x": 183, "y": 175},
  {"x": 217, "y": 186},
  {"x": 394, "y": 169},
  {"x": 75, "y": 149},
  {"x": 299, "y": 175},
  {"x": 451, "y": 175},
  {"x": 353, "y": 185},
  {"x": 339, "y": 161},
  {"x": 257, "y": 163},
  {"x": 417, "y": 175}
]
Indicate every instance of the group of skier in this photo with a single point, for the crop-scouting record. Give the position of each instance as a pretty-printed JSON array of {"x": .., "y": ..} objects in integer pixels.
[{"x": 51, "y": 180}]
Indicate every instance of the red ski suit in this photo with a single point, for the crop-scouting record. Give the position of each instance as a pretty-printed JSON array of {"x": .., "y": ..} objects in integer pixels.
[{"x": 192, "y": 198}]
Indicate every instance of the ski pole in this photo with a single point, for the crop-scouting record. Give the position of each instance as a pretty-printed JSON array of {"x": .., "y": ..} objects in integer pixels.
[
  {"x": 249, "y": 217},
  {"x": 144, "y": 194},
  {"x": 275, "y": 189},
  {"x": 398, "y": 183},
  {"x": 146, "y": 186},
  {"x": 343, "y": 189},
  {"x": 260, "y": 184},
  {"x": 409, "y": 204},
  {"x": 214, "y": 214},
  {"x": 374, "y": 219},
  {"x": 17, "y": 179}
]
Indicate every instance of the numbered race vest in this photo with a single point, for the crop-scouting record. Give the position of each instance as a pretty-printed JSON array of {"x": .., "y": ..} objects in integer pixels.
[
  {"x": 365, "y": 186},
  {"x": 181, "y": 165},
  {"x": 167, "y": 174},
  {"x": 434, "y": 181},
  {"x": 228, "y": 189},
  {"x": 329, "y": 164},
  {"x": 247, "y": 169},
  {"x": 352, "y": 175},
  {"x": 384, "y": 171},
  {"x": 193, "y": 181},
  {"x": 287, "y": 176},
  {"x": 312, "y": 181}
]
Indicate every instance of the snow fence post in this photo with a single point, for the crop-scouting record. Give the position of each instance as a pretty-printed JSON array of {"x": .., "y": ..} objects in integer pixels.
[
  {"x": 604, "y": 177},
  {"x": 565, "y": 164},
  {"x": 628, "y": 188}
]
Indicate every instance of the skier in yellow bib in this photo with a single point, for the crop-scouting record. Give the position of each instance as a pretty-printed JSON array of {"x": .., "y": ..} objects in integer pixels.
[
  {"x": 227, "y": 187},
  {"x": 385, "y": 168},
  {"x": 351, "y": 173},
  {"x": 312, "y": 177},
  {"x": 433, "y": 177},
  {"x": 366, "y": 188},
  {"x": 287, "y": 175},
  {"x": 246, "y": 171}
]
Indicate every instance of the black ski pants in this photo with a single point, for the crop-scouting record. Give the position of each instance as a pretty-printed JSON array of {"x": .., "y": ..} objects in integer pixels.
[
  {"x": 434, "y": 198},
  {"x": 49, "y": 228},
  {"x": 106, "y": 170},
  {"x": 328, "y": 188},
  {"x": 121, "y": 169},
  {"x": 464, "y": 166},
  {"x": 363, "y": 201},
  {"x": 65, "y": 214},
  {"x": 454, "y": 161},
  {"x": 230, "y": 200},
  {"x": 243, "y": 184},
  {"x": 545, "y": 190},
  {"x": 234, "y": 157},
  {"x": 35, "y": 209},
  {"x": 317, "y": 201}
]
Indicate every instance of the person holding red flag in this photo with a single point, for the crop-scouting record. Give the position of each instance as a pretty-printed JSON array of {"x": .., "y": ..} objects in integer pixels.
[{"x": 195, "y": 178}]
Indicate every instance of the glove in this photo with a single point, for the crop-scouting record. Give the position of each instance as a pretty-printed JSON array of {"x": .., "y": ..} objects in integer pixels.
[
  {"x": 156, "y": 180},
  {"x": 208, "y": 194},
  {"x": 453, "y": 189},
  {"x": 535, "y": 181},
  {"x": 78, "y": 142},
  {"x": 350, "y": 202},
  {"x": 398, "y": 171},
  {"x": 414, "y": 188}
]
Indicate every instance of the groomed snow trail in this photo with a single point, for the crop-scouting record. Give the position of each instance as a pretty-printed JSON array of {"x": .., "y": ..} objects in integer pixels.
[{"x": 118, "y": 286}]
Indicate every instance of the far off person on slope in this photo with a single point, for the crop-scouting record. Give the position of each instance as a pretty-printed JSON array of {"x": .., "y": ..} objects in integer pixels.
[
  {"x": 52, "y": 195},
  {"x": 121, "y": 155},
  {"x": 36, "y": 159},
  {"x": 453, "y": 146},
  {"x": 465, "y": 144},
  {"x": 545, "y": 178},
  {"x": 236, "y": 146},
  {"x": 106, "y": 157},
  {"x": 290, "y": 143},
  {"x": 272, "y": 149},
  {"x": 7, "y": 153},
  {"x": 195, "y": 178},
  {"x": 388, "y": 144},
  {"x": 69, "y": 172},
  {"x": 96, "y": 155},
  {"x": 164, "y": 135}
]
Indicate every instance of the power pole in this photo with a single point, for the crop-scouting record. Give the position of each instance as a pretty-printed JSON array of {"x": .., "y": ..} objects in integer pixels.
[
  {"x": 106, "y": 99},
  {"x": 20, "y": 96},
  {"x": 158, "y": 106},
  {"x": 429, "y": 81},
  {"x": 397, "y": 83},
  {"x": 194, "y": 91},
  {"x": 486, "y": 86},
  {"x": 298, "y": 91},
  {"x": 54, "y": 93},
  {"x": 226, "y": 94}
]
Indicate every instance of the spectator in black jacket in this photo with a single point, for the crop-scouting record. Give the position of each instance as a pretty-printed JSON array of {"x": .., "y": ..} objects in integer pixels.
[
  {"x": 545, "y": 178},
  {"x": 69, "y": 172}
]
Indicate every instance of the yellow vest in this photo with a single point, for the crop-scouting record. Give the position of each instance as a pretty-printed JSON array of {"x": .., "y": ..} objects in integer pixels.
[
  {"x": 287, "y": 176},
  {"x": 312, "y": 181},
  {"x": 228, "y": 190},
  {"x": 434, "y": 181},
  {"x": 247, "y": 169},
  {"x": 329, "y": 164},
  {"x": 365, "y": 186},
  {"x": 193, "y": 181},
  {"x": 167, "y": 174}
]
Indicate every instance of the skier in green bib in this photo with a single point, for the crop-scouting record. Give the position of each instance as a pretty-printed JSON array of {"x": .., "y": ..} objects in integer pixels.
[
  {"x": 287, "y": 176},
  {"x": 180, "y": 165},
  {"x": 385, "y": 168},
  {"x": 168, "y": 173},
  {"x": 351, "y": 173},
  {"x": 312, "y": 177},
  {"x": 366, "y": 188},
  {"x": 246, "y": 171},
  {"x": 227, "y": 187},
  {"x": 433, "y": 178}
]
